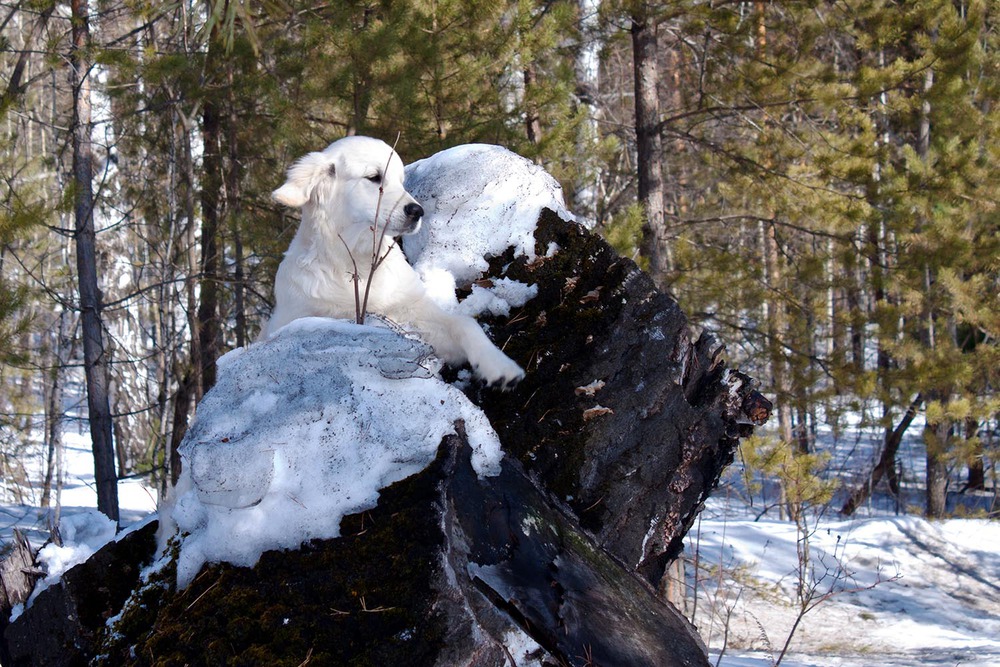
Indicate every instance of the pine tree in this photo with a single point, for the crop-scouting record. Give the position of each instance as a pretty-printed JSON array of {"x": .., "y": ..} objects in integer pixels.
[
  {"x": 936, "y": 200},
  {"x": 803, "y": 120}
]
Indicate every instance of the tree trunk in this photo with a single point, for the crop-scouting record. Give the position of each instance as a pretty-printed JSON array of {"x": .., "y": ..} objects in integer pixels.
[
  {"x": 803, "y": 433},
  {"x": 95, "y": 361},
  {"x": 182, "y": 407},
  {"x": 53, "y": 441},
  {"x": 774, "y": 311},
  {"x": 977, "y": 463},
  {"x": 53, "y": 407},
  {"x": 886, "y": 466},
  {"x": 532, "y": 123},
  {"x": 583, "y": 197},
  {"x": 936, "y": 438},
  {"x": 648, "y": 143},
  {"x": 774, "y": 316},
  {"x": 361, "y": 83},
  {"x": 190, "y": 253},
  {"x": 878, "y": 265},
  {"x": 209, "y": 329},
  {"x": 233, "y": 210}
]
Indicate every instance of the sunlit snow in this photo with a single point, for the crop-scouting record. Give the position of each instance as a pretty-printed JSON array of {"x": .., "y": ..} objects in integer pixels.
[
  {"x": 479, "y": 200},
  {"x": 305, "y": 428}
]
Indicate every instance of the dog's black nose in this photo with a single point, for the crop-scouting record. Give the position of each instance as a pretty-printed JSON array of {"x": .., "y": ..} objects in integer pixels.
[{"x": 413, "y": 211}]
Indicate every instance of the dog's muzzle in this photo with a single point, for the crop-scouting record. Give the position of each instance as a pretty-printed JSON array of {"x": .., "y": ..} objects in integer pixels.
[{"x": 414, "y": 212}]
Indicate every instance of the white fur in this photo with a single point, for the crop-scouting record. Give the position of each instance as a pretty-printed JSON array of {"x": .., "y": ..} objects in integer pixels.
[{"x": 338, "y": 201}]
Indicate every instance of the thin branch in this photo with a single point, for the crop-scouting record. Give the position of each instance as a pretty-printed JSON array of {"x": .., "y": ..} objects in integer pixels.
[
  {"x": 355, "y": 277},
  {"x": 377, "y": 247}
]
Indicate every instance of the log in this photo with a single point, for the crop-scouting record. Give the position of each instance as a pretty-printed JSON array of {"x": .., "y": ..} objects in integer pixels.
[
  {"x": 18, "y": 575},
  {"x": 450, "y": 569},
  {"x": 65, "y": 622}
]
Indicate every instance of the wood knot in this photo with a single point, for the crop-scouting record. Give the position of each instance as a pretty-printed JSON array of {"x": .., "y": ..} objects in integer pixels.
[{"x": 757, "y": 408}]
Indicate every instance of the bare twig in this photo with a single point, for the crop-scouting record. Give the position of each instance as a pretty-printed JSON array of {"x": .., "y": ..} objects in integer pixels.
[
  {"x": 729, "y": 609},
  {"x": 812, "y": 598},
  {"x": 377, "y": 238},
  {"x": 373, "y": 610},
  {"x": 203, "y": 594},
  {"x": 355, "y": 278}
]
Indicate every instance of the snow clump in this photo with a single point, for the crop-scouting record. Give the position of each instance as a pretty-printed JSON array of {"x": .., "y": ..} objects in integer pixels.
[
  {"x": 479, "y": 200},
  {"x": 305, "y": 428}
]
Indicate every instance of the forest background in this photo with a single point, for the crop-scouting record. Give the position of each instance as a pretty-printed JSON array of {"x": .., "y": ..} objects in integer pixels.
[{"x": 816, "y": 182}]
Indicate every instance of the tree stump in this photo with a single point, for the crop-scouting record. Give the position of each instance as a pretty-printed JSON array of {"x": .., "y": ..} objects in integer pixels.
[{"x": 617, "y": 434}]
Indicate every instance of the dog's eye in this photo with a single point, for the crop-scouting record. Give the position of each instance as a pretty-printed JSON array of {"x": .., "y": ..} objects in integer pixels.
[{"x": 375, "y": 178}]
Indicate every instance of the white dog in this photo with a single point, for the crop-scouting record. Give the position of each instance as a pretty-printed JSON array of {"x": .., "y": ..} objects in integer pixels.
[{"x": 338, "y": 191}]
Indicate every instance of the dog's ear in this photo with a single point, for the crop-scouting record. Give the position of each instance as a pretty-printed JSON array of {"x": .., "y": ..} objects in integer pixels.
[{"x": 303, "y": 176}]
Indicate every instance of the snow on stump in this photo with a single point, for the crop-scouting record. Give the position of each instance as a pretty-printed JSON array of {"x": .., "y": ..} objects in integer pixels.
[{"x": 305, "y": 428}]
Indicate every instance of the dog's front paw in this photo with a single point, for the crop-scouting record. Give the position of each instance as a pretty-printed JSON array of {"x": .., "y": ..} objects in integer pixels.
[{"x": 498, "y": 369}]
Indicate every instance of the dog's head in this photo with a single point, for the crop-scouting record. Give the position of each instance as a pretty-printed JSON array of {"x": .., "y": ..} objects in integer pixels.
[{"x": 349, "y": 181}]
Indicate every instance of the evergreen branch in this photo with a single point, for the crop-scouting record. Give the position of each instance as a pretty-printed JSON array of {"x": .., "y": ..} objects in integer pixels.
[
  {"x": 824, "y": 364},
  {"x": 747, "y": 162},
  {"x": 663, "y": 124},
  {"x": 719, "y": 111}
]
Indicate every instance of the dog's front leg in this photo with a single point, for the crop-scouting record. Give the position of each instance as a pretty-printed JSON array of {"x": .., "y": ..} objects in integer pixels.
[
  {"x": 486, "y": 359},
  {"x": 458, "y": 339}
]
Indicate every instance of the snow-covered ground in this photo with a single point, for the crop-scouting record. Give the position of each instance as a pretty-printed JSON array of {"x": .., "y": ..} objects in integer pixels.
[
  {"x": 903, "y": 591},
  {"x": 884, "y": 587},
  {"x": 77, "y": 495}
]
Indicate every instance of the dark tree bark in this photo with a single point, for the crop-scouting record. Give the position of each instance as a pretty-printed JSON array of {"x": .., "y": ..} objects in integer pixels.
[
  {"x": 977, "y": 465},
  {"x": 636, "y": 457},
  {"x": 182, "y": 408},
  {"x": 532, "y": 123},
  {"x": 886, "y": 466},
  {"x": 96, "y": 362},
  {"x": 649, "y": 147},
  {"x": 209, "y": 326}
]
